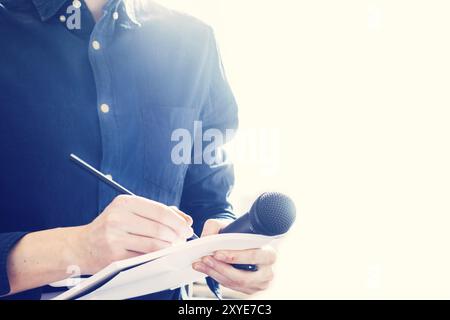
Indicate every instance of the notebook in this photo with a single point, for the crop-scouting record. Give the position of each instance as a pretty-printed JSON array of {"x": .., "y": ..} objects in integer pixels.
[{"x": 166, "y": 269}]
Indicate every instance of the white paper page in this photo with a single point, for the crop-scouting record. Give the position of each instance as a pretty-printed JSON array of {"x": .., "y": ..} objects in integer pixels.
[
  {"x": 173, "y": 270},
  {"x": 175, "y": 261},
  {"x": 113, "y": 268},
  {"x": 157, "y": 283}
]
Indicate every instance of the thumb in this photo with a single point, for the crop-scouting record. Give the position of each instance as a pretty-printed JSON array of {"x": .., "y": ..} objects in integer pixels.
[
  {"x": 182, "y": 215},
  {"x": 213, "y": 226}
]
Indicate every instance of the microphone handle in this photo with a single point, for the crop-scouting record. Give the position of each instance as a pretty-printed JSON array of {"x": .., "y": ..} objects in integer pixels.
[
  {"x": 246, "y": 267},
  {"x": 241, "y": 225}
]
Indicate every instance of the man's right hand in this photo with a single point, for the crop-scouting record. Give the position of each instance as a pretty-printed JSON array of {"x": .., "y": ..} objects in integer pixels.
[{"x": 130, "y": 226}]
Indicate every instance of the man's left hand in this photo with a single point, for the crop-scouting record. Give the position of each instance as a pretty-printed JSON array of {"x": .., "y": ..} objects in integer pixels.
[{"x": 219, "y": 266}]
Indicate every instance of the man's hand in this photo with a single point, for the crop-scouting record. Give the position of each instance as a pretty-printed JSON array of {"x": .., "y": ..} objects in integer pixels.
[
  {"x": 130, "y": 226},
  {"x": 218, "y": 266}
]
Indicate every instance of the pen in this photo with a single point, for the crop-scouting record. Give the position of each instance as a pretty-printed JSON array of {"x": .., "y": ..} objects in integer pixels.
[
  {"x": 107, "y": 180},
  {"x": 101, "y": 176}
]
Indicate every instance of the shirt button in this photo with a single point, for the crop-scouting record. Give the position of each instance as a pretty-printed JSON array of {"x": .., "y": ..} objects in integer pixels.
[
  {"x": 105, "y": 108},
  {"x": 115, "y": 15},
  {"x": 62, "y": 18},
  {"x": 109, "y": 177},
  {"x": 76, "y": 4},
  {"x": 96, "y": 45}
]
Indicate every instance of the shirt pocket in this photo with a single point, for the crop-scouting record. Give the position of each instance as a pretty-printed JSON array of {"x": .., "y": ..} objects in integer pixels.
[{"x": 161, "y": 123}]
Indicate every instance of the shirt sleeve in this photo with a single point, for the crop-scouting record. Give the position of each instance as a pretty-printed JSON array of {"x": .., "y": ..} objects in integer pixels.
[
  {"x": 207, "y": 186},
  {"x": 7, "y": 242}
]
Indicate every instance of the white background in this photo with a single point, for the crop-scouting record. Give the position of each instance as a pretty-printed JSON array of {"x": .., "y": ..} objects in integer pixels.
[{"x": 358, "y": 93}]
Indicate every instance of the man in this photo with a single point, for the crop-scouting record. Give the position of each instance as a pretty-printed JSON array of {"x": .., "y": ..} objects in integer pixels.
[{"x": 109, "y": 81}]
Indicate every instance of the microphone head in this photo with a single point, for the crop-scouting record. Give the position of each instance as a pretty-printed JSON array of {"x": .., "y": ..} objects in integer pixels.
[{"x": 272, "y": 214}]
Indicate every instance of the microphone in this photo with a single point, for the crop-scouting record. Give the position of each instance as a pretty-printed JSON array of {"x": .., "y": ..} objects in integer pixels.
[{"x": 272, "y": 214}]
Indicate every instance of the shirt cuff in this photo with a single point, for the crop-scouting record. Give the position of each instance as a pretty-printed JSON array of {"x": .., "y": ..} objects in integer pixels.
[
  {"x": 223, "y": 216},
  {"x": 7, "y": 242}
]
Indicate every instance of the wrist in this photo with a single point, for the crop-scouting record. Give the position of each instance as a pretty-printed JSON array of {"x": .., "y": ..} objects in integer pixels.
[{"x": 76, "y": 250}]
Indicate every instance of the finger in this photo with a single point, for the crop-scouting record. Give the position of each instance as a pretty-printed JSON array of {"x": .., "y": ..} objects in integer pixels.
[
  {"x": 143, "y": 245},
  {"x": 186, "y": 217},
  {"x": 203, "y": 268},
  {"x": 137, "y": 225},
  {"x": 155, "y": 211},
  {"x": 224, "y": 269},
  {"x": 240, "y": 278},
  {"x": 131, "y": 254},
  {"x": 124, "y": 254},
  {"x": 264, "y": 256},
  {"x": 240, "y": 285},
  {"x": 213, "y": 226},
  {"x": 264, "y": 285}
]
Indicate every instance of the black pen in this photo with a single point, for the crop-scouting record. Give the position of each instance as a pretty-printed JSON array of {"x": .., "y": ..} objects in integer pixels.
[{"x": 107, "y": 180}]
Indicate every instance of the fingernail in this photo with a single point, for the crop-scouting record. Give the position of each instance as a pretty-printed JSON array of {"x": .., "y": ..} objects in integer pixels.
[
  {"x": 209, "y": 261},
  {"x": 198, "y": 267},
  {"x": 185, "y": 216},
  {"x": 189, "y": 220},
  {"x": 190, "y": 233},
  {"x": 220, "y": 256}
]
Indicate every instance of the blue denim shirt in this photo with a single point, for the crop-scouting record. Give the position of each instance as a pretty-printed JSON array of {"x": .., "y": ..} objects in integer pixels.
[{"x": 112, "y": 92}]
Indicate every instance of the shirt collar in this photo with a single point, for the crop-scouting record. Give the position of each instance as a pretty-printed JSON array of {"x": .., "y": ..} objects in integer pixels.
[
  {"x": 48, "y": 8},
  {"x": 129, "y": 7}
]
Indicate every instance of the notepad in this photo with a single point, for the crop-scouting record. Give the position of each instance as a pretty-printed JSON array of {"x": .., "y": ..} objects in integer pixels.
[{"x": 166, "y": 269}]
